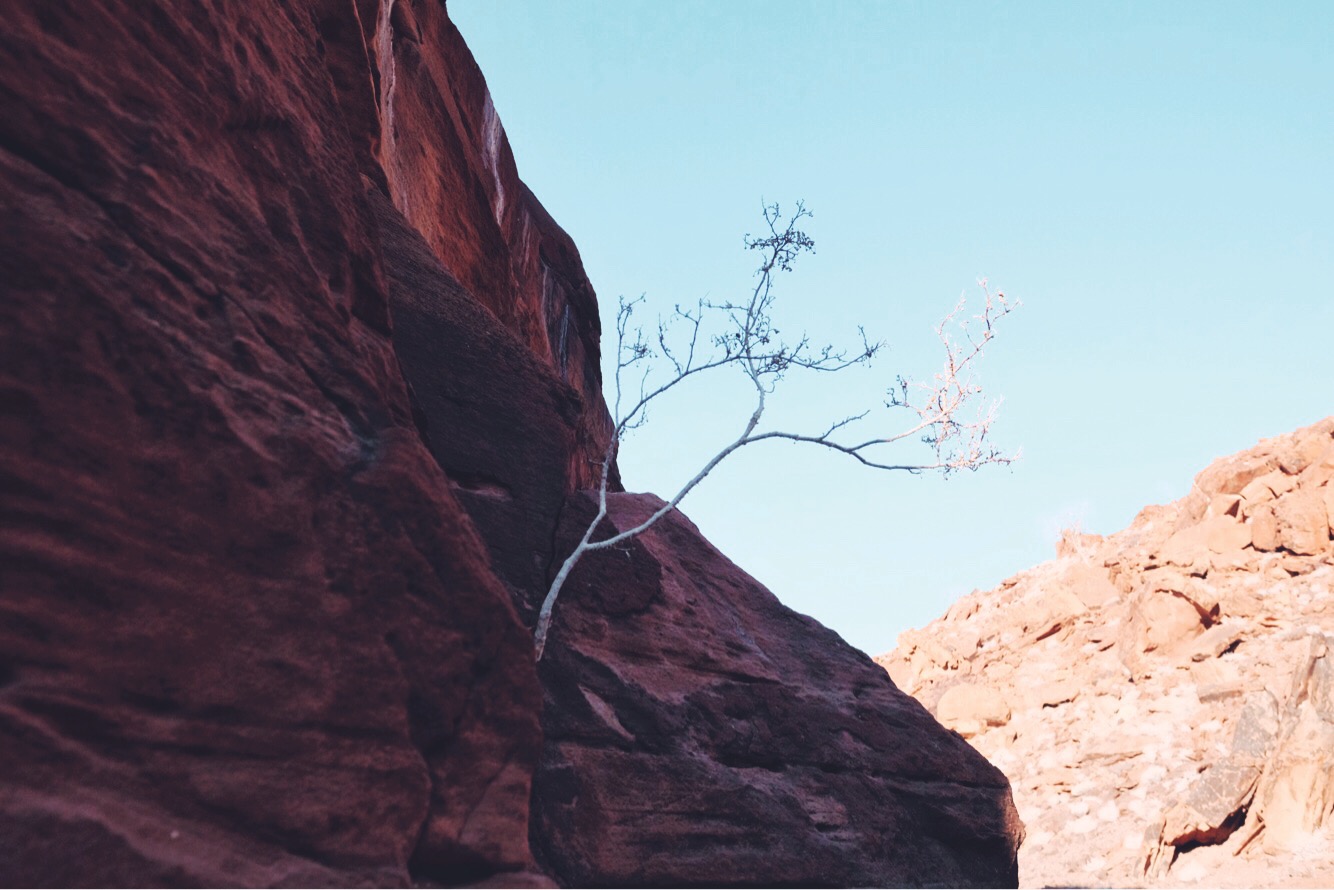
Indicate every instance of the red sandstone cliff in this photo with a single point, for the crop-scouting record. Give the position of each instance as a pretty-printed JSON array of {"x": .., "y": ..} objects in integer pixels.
[
  {"x": 298, "y": 386},
  {"x": 249, "y": 636}
]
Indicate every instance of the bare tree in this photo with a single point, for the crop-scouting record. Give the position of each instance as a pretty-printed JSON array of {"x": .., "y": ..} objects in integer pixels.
[{"x": 749, "y": 342}]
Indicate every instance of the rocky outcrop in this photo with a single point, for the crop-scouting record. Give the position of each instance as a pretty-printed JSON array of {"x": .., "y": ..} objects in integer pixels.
[
  {"x": 496, "y": 418},
  {"x": 249, "y": 636},
  {"x": 698, "y": 732},
  {"x": 436, "y": 145},
  {"x": 1165, "y": 689},
  {"x": 297, "y": 380}
]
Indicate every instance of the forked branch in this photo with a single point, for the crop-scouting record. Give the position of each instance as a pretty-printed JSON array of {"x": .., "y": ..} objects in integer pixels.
[{"x": 947, "y": 416}]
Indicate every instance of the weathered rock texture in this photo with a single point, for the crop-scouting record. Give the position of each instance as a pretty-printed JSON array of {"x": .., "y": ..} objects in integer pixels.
[
  {"x": 296, "y": 382},
  {"x": 697, "y": 731},
  {"x": 249, "y": 636},
  {"x": 496, "y": 417},
  {"x": 1168, "y": 687},
  {"x": 438, "y": 147}
]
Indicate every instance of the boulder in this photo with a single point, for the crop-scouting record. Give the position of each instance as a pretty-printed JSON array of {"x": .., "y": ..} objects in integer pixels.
[
  {"x": 1200, "y": 593},
  {"x": 1321, "y": 470},
  {"x": 1090, "y": 585},
  {"x": 930, "y": 656},
  {"x": 1296, "y": 793},
  {"x": 1306, "y": 451},
  {"x": 1230, "y": 475},
  {"x": 1264, "y": 529},
  {"x": 1225, "y": 505},
  {"x": 1188, "y": 547},
  {"x": 1054, "y": 607},
  {"x": 1166, "y": 580},
  {"x": 1165, "y": 621},
  {"x": 1216, "y": 804},
  {"x": 699, "y": 732},
  {"x": 1303, "y": 524},
  {"x": 1216, "y": 640},
  {"x": 1299, "y": 565},
  {"x": 1205, "y": 816},
  {"x": 1246, "y": 560},
  {"x": 1225, "y": 534},
  {"x": 972, "y": 704},
  {"x": 1266, "y": 488},
  {"x": 1057, "y": 691}
]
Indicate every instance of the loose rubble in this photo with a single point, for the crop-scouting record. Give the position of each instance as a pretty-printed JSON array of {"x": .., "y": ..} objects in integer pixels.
[{"x": 1162, "y": 699}]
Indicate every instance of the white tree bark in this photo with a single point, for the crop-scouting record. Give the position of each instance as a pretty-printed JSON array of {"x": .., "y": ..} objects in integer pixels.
[{"x": 751, "y": 343}]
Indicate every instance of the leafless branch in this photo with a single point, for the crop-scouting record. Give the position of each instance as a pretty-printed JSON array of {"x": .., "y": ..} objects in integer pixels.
[{"x": 946, "y": 415}]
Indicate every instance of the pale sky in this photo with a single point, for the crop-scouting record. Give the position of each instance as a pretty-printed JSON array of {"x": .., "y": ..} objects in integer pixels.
[{"x": 1153, "y": 181}]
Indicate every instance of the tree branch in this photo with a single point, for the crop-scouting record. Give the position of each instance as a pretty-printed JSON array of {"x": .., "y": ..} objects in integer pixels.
[{"x": 750, "y": 341}]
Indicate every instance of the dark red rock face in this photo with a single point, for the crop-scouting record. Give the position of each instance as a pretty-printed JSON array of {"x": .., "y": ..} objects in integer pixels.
[
  {"x": 296, "y": 378},
  {"x": 450, "y": 172},
  {"x": 700, "y": 733},
  {"x": 248, "y": 635},
  {"x": 500, "y": 422}
]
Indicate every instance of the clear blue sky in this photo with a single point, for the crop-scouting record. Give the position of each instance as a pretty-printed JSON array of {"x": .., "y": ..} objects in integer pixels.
[{"x": 1155, "y": 181}]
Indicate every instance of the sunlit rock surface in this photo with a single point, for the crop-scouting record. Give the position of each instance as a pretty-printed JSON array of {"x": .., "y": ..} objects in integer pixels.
[{"x": 1167, "y": 687}]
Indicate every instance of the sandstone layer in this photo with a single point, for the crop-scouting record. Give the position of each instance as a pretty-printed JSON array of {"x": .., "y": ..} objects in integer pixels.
[
  {"x": 1161, "y": 698},
  {"x": 697, "y": 731}
]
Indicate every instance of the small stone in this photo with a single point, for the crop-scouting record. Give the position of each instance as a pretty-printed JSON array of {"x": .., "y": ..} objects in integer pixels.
[
  {"x": 1211, "y": 692},
  {"x": 1082, "y": 825},
  {"x": 1297, "y": 565},
  {"x": 1096, "y": 864},
  {"x": 1039, "y": 838},
  {"x": 1215, "y": 641},
  {"x": 1055, "y": 692}
]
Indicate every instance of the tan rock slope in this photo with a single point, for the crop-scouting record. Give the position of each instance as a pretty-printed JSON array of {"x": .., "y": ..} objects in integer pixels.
[{"x": 1162, "y": 699}]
